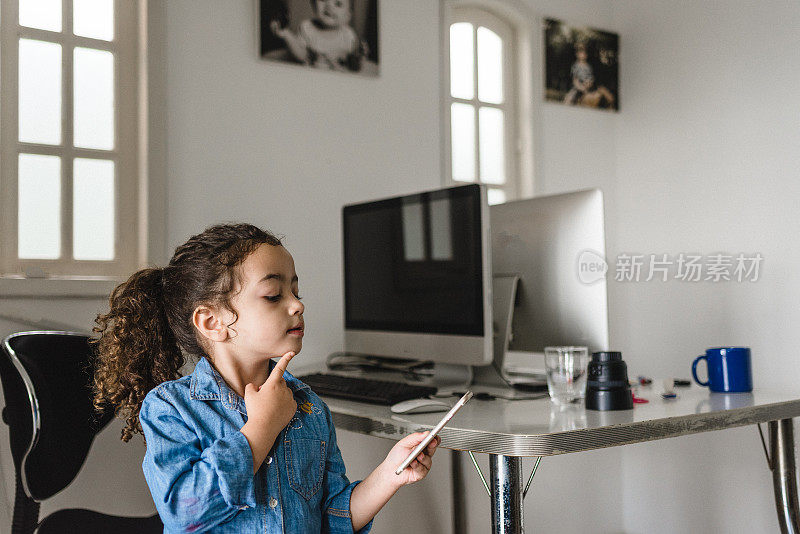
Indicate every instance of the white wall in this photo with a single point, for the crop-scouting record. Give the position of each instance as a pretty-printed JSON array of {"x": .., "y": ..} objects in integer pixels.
[
  {"x": 285, "y": 147},
  {"x": 707, "y": 161},
  {"x": 699, "y": 159}
]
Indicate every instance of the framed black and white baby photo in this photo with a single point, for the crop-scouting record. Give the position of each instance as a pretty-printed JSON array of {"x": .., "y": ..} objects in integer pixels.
[{"x": 337, "y": 35}]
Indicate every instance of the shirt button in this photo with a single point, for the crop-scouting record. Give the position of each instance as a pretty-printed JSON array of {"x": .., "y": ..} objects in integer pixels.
[
  {"x": 269, "y": 460},
  {"x": 273, "y": 502}
]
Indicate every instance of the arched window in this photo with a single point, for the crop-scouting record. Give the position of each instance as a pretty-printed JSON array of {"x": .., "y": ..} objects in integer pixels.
[{"x": 481, "y": 102}]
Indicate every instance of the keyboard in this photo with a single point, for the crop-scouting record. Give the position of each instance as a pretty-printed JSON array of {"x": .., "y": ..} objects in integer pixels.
[{"x": 365, "y": 389}]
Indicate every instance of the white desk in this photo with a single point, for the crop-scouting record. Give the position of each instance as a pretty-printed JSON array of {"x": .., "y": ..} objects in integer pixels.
[{"x": 508, "y": 430}]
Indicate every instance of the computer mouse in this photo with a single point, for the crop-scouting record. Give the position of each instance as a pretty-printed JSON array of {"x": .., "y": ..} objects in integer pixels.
[{"x": 420, "y": 406}]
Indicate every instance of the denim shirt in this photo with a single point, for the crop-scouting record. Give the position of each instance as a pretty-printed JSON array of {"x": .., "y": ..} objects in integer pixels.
[{"x": 199, "y": 466}]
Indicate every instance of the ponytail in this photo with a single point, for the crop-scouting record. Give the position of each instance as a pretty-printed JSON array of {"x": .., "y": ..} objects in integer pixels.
[{"x": 136, "y": 348}]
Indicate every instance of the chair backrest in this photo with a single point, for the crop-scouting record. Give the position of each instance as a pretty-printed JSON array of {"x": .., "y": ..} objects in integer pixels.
[{"x": 47, "y": 384}]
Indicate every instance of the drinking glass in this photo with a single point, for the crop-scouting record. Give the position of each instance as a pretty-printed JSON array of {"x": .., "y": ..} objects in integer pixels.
[{"x": 566, "y": 373}]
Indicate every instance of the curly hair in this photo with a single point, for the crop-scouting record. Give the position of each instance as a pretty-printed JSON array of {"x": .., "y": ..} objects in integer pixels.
[{"x": 147, "y": 334}]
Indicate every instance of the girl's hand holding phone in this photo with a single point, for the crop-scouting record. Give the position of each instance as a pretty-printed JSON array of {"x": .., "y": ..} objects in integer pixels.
[
  {"x": 373, "y": 492},
  {"x": 409, "y": 461},
  {"x": 417, "y": 470}
]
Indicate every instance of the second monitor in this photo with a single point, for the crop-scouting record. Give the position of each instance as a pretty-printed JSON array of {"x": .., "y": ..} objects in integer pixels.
[{"x": 551, "y": 242}]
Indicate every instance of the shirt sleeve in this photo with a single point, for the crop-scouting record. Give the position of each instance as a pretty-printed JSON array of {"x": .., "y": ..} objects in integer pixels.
[
  {"x": 336, "y": 517},
  {"x": 193, "y": 488}
]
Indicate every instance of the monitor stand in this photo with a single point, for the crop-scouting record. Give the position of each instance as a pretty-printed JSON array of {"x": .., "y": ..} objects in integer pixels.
[
  {"x": 448, "y": 376},
  {"x": 504, "y": 293}
]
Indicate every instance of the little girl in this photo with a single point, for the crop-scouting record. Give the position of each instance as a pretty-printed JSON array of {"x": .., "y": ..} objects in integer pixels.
[{"x": 239, "y": 445}]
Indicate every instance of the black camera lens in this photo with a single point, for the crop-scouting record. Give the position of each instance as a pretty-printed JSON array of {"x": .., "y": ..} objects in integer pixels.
[{"x": 607, "y": 387}]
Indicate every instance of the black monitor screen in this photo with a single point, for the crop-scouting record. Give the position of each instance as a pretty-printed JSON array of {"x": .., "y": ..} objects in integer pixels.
[{"x": 413, "y": 263}]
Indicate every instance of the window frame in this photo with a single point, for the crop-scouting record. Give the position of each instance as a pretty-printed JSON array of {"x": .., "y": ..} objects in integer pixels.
[
  {"x": 126, "y": 48},
  {"x": 527, "y": 27},
  {"x": 480, "y": 16}
]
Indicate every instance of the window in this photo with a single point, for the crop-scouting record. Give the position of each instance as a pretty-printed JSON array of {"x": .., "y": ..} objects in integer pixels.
[
  {"x": 69, "y": 115},
  {"x": 481, "y": 103}
]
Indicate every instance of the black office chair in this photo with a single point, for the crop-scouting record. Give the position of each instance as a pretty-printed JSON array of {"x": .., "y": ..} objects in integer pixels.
[{"x": 47, "y": 384}]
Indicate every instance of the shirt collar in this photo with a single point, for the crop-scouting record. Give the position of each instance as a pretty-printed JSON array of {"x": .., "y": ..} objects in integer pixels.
[{"x": 208, "y": 384}]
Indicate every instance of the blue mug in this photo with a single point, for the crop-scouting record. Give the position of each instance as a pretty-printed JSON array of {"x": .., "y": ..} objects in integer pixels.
[{"x": 728, "y": 370}]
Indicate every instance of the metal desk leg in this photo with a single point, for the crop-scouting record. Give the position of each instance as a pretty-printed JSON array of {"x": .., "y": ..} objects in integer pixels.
[
  {"x": 459, "y": 493},
  {"x": 781, "y": 439},
  {"x": 506, "y": 483}
]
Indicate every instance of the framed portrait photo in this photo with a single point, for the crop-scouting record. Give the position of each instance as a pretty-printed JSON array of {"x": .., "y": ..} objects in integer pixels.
[
  {"x": 334, "y": 35},
  {"x": 581, "y": 66}
]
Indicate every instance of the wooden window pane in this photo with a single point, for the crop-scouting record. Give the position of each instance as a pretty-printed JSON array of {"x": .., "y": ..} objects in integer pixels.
[
  {"x": 39, "y": 207},
  {"x": 93, "y": 18},
  {"x": 462, "y": 121},
  {"x": 39, "y": 92},
  {"x": 490, "y": 66},
  {"x": 42, "y": 14},
  {"x": 496, "y": 196},
  {"x": 94, "y": 99},
  {"x": 93, "y": 209},
  {"x": 492, "y": 145},
  {"x": 462, "y": 60}
]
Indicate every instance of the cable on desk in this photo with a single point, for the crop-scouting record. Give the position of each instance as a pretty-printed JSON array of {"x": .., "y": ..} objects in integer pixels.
[
  {"x": 350, "y": 361},
  {"x": 492, "y": 396}
]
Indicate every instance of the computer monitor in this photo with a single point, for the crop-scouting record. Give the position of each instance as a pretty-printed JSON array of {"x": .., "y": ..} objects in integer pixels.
[
  {"x": 417, "y": 277},
  {"x": 556, "y": 245}
]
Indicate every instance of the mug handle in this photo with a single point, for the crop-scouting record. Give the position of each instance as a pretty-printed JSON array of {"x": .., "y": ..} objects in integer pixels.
[{"x": 694, "y": 369}]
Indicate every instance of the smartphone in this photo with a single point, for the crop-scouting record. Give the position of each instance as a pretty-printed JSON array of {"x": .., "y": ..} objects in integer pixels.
[{"x": 432, "y": 434}]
